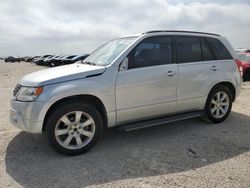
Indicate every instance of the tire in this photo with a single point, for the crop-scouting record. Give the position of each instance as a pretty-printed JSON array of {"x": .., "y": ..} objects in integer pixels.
[
  {"x": 74, "y": 138},
  {"x": 217, "y": 110}
]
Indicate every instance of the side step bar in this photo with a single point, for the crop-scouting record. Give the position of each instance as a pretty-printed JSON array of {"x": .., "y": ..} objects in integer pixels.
[{"x": 159, "y": 121}]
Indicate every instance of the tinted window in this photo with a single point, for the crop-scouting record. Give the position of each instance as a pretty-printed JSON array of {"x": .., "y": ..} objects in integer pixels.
[
  {"x": 219, "y": 49},
  {"x": 207, "y": 54},
  {"x": 188, "y": 49},
  {"x": 151, "y": 51}
]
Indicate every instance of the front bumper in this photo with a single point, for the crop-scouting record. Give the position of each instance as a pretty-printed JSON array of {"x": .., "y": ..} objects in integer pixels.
[{"x": 27, "y": 116}]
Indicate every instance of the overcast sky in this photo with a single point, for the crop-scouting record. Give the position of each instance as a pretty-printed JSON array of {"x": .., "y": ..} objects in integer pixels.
[{"x": 30, "y": 27}]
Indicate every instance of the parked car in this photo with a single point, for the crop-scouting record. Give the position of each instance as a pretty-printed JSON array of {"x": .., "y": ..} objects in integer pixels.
[
  {"x": 12, "y": 59},
  {"x": 58, "y": 61},
  {"x": 50, "y": 61},
  {"x": 66, "y": 59},
  {"x": 27, "y": 59},
  {"x": 69, "y": 57},
  {"x": 240, "y": 50},
  {"x": 47, "y": 59},
  {"x": 22, "y": 58},
  {"x": 130, "y": 83},
  {"x": 245, "y": 63},
  {"x": 75, "y": 59},
  {"x": 40, "y": 60},
  {"x": 30, "y": 59},
  {"x": 63, "y": 60}
]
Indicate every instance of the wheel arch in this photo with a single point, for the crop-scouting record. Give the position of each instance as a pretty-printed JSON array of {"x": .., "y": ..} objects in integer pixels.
[
  {"x": 228, "y": 85},
  {"x": 86, "y": 98}
]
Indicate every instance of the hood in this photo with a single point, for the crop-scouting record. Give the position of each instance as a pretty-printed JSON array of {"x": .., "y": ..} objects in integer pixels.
[{"x": 60, "y": 74}]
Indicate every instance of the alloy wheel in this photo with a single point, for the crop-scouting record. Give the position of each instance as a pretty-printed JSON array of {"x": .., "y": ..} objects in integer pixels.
[
  {"x": 75, "y": 130},
  {"x": 219, "y": 104}
]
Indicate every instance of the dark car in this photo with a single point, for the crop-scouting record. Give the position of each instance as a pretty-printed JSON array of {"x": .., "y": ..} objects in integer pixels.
[
  {"x": 27, "y": 59},
  {"x": 22, "y": 58},
  {"x": 12, "y": 59},
  {"x": 40, "y": 60},
  {"x": 30, "y": 59},
  {"x": 58, "y": 61},
  {"x": 62, "y": 60},
  {"x": 68, "y": 58},
  {"x": 75, "y": 59},
  {"x": 50, "y": 60}
]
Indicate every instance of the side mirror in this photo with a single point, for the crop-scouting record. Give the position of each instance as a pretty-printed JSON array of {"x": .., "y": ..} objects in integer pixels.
[{"x": 124, "y": 65}]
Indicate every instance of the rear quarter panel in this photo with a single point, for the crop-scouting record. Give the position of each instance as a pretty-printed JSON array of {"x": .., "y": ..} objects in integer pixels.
[{"x": 228, "y": 73}]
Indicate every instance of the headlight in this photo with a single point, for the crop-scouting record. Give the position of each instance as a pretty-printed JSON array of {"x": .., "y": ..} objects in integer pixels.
[{"x": 28, "y": 93}]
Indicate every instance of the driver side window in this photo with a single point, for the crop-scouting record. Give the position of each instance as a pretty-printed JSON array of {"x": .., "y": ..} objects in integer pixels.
[{"x": 151, "y": 52}]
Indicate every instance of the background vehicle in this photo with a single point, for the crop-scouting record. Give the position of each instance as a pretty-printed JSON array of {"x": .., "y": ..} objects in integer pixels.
[
  {"x": 74, "y": 59},
  {"x": 40, "y": 60},
  {"x": 130, "y": 83},
  {"x": 67, "y": 58},
  {"x": 56, "y": 61},
  {"x": 245, "y": 63},
  {"x": 30, "y": 58},
  {"x": 49, "y": 60},
  {"x": 12, "y": 59},
  {"x": 59, "y": 60},
  {"x": 242, "y": 50}
]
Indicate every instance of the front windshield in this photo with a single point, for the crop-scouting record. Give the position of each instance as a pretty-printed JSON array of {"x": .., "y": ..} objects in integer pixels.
[
  {"x": 107, "y": 53},
  {"x": 244, "y": 57}
]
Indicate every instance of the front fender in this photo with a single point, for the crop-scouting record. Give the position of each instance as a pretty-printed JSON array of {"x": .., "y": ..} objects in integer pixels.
[
  {"x": 95, "y": 86},
  {"x": 88, "y": 86}
]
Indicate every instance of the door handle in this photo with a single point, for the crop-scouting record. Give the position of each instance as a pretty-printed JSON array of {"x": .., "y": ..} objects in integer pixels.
[
  {"x": 214, "y": 68},
  {"x": 170, "y": 73}
]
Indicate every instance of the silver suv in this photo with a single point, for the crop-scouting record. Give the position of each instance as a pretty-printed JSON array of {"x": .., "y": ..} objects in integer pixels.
[{"x": 130, "y": 83}]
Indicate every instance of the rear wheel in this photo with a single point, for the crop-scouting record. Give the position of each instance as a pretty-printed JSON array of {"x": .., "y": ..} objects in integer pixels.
[
  {"x": 219, "y": 104},
  {"x": 74, "y": 128}
]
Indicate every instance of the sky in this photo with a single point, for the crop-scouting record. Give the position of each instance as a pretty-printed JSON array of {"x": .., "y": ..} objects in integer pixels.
[{"x": 37, "y": 27}]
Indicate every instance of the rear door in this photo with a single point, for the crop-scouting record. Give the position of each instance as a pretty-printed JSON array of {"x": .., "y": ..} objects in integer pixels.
[{"x": 198, "y": 69}]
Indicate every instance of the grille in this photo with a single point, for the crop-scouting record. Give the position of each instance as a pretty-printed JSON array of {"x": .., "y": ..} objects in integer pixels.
[{"x": 18, "y": 86}]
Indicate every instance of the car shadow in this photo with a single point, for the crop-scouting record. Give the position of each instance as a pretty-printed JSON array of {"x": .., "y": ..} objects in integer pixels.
[{"x": 171, "y": 148}]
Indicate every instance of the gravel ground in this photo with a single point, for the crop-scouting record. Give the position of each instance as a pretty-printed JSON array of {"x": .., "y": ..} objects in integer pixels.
[{"x": 192, "y": 153}]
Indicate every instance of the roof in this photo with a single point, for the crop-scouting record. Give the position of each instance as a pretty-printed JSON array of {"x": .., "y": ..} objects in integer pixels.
[{"x": 180, "y": 31}]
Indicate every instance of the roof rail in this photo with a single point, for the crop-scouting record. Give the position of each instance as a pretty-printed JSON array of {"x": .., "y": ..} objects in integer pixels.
[{"x": 177, "y": 31}]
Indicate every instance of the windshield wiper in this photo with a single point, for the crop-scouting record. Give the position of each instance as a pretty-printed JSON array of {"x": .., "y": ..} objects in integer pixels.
[{"x": 88, "y": 63}]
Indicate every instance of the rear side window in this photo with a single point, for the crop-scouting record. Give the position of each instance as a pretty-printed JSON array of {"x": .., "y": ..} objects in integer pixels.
[
  {"x": 151, "y": 52},
  {"x": 219, "y": 49},
  {"x": 206, "y": 51},
  {"x": 188, "y": 49}
]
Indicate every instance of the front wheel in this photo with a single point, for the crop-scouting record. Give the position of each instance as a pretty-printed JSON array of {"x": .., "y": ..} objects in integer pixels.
[
  {"x": 74, "y": 128},
  {"x": 219, "y": 104}
]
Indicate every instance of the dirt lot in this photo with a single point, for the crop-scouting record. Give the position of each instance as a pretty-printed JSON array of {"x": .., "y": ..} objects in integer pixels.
[{"x": 191, "y": 153}]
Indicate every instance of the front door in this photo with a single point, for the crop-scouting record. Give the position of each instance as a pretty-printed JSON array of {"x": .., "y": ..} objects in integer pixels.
[{"x": 148, "y": 87}]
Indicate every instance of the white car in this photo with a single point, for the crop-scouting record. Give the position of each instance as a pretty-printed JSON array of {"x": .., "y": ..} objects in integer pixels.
[{"x": 130, "y": 83}]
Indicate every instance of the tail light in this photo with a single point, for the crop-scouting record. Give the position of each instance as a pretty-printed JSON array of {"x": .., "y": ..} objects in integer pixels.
[{"x": 240, "y": 67}]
